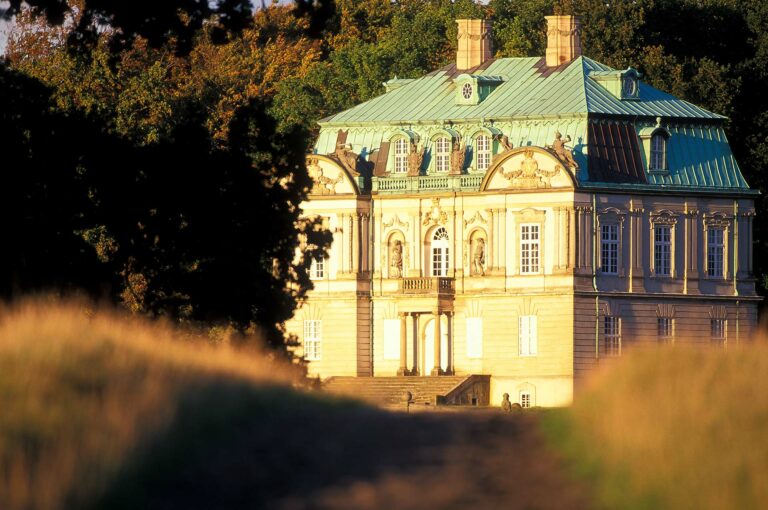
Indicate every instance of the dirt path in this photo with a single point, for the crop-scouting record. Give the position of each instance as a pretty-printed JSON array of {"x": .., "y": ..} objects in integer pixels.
[
  {"x": 317, "y": 454},
  {"x": 477, "y": 460}
]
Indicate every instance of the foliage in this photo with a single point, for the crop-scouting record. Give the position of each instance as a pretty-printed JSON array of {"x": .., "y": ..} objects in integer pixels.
[{"x": 677, "y": 427}]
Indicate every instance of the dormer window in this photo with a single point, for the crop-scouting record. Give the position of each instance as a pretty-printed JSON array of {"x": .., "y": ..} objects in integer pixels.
[
  {"x": 466, "y": 91},
  {"x": 401, "y": 156},
  {"x": 658, "y": 152},
  {"x": 623, "y": 85},
  {"x": 655, "y": 140},
  {"x": 442, "y": 154},
  {"x": 483, "y": 152}
]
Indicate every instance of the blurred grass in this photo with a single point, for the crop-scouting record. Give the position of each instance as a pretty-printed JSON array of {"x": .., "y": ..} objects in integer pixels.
[
  {"x": 672, "y": 427},
  {"x": 93, "y": 403}
]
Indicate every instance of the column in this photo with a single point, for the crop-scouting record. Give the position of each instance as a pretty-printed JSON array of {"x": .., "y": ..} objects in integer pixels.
[
  {"x": 436, "y": 370},
  {"x": 750, "y": 242},
  {"x": 366, "y": 242},
  {"x": 503, "y": 240},
  {"x": 344, "y": 244},
  {"x": 571, "y": 238},
  {"x": 580, "y": 238},
  {"x": 403, "y": 370},
  {"x": 356, "y": 242},
  {"x": 415, "y": 359},
  {"x": 449, "y": 365},
  {"x": 492, "y": 239}
]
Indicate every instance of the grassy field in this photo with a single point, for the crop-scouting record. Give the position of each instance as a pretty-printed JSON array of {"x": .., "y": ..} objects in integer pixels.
[
  {"x": 101, "y": 411},
  {"x": 674, "y": 427}
]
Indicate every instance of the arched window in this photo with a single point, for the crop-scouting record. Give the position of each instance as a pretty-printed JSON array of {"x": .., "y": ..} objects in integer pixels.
[
  {"x": 483, "y": 152},
  {"x": 442, "y": 154},
  {"x": 401, "y": 156},
  {"x": 658, "y": 152},
  {"x": 440, "y": 251}
]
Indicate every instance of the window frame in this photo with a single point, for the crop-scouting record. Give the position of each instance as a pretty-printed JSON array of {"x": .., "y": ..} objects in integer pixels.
[
  {"x": 525, "y": 399},
  {"x": 612, "y": 335},
  {"x": 317, "y": 269},
  {"x": 400, "y": 166},
  {"x": 665, "y": 330},
  {"x": 445, "y": 254},
  {"x": 715, "y": 270},
  {"x": 722, "y": 334},
  {"x": 526, "y": 263},
  {"x": 615, "y": 243},
  {"x": 657, "y": 160},
  {"x": 314, "y": 339},
  {"x": 442, "y": 157},
  {"x": 663, "y": 219},
  {"x": 484, "y": 154}
]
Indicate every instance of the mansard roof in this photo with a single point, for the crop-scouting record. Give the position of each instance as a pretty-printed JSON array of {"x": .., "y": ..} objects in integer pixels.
[
  {"x": 529, "y": 90},
  {"x": 529, "y": 102}
]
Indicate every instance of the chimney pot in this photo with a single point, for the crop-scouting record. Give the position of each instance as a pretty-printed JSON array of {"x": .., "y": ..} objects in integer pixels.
[{"x": 563, "y": 39}]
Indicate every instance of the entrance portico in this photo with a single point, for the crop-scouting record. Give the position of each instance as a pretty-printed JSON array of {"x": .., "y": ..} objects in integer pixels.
[{"x": 432, "y": 343}]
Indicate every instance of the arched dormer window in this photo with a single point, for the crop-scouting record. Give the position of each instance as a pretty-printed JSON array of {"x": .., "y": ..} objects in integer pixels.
[
  {"x": 401, "y": 156},
  {"x": 440, "y": 252},
  {"x": 483, "y": 152},
  {"x": 442, "y": 154},
  {"x": 655, "y": 140},
  {"x": 658, "y": 151}
]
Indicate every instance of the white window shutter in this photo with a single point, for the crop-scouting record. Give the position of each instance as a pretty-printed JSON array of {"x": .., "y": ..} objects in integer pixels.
[
  {"x": 391, "y": 338},
  {"x": 534, "y": 338}
]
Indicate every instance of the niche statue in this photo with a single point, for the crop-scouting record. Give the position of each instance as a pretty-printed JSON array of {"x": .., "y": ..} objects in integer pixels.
[
  {"x": 396, "y": 260},
  {"x": 478, "y": 258}
]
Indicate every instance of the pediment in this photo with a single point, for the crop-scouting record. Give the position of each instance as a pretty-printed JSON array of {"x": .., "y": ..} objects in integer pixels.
[
  {"x": 526, "y": 168},
  {"x": 329, "y": 178}
]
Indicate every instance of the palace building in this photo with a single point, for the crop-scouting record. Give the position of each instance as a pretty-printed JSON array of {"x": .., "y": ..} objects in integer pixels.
[{"x": 508, "y": 224}]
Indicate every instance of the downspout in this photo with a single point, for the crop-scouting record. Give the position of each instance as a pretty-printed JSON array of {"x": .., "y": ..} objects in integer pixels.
[
  {"x": 736, "y": 262},
  {"x": 594, "y": 275}
]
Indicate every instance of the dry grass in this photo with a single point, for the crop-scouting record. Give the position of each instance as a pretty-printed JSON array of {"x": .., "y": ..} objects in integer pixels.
[
  {"x": 676, "y": 427},
  {"x": 84, "y": 395}
]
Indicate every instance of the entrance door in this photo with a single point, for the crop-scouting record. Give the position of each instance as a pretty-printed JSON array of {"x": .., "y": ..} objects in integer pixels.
[{"x": 428, "y": 360}]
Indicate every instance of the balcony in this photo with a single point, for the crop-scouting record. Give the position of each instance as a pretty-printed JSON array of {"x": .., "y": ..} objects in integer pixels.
[
  {"x": 427, "y": 183},
  {"x": 438, "y": 285}
]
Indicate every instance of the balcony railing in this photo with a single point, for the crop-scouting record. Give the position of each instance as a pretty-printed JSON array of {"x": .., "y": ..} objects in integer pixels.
[
  {"x": 436, "y": 285},
  {"x": 427, "y": 183}
]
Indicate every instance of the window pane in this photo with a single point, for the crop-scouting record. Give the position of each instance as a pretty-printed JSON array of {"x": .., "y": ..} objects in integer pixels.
[
  {"x": 312, "y": 339},
  {"x": 483, "y": 148},
  {"x": 401, "y": 156},
  {"x": 715, "y": 251},
  {"x": 662, "y": 259}
]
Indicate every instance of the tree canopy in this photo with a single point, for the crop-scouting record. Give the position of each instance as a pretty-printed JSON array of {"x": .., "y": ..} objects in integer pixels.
[{"x": 154, "y": 150}]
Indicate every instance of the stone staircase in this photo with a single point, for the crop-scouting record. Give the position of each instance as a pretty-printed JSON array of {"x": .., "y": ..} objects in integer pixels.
[{"x": 390, "y": 391}]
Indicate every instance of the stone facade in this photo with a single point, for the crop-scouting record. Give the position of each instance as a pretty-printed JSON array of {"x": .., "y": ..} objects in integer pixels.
[{"x": 521, "y": 261}]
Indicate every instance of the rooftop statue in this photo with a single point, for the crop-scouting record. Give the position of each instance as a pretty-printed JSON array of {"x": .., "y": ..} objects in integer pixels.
[
  {"x": 506, "y": 145},
  {"x": 321, "y": 184},
  {"x": 458, "y": 154},
  {"x": 415, "y": 158},
  {"x": 347, "y": 158},
  {"x": 565, "y": 155}
]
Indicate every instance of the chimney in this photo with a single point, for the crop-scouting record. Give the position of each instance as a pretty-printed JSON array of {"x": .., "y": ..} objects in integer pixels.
[
  {"x": 474, "y": 43},
  {"x": 563, "y": 39}
]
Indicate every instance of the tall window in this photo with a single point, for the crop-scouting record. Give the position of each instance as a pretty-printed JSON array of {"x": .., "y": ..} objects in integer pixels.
[
  {"x": 474, "y": 337},
  {"x": 443, "y": 154},
  {"x": 440, "y": 250},
  {"x": 529, "y": 249},
  {"x": 662, "y": 250},
  {"x": 658, "y": 152},
  {"x": 312, "y": 339},
  {"x": 401, "y": 156},
  {"x": 609, "y": 249},
  {"x": 317, "y": 269},
  {"x": 665, "y": 326},
  {"x": 528, "y": 335},
  {"x": 717, "y": 327},
  {"x": 612, "y": 335},
  {"x": 715, "y": 252},
  {"x": 483, "y": 151},
  {"x": 525, "y": 399}
]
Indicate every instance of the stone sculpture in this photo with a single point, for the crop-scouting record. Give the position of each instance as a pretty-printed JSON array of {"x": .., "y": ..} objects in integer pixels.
[
  {"x": 396, "y": 260},
  {"x": 505, "y": 144},
  {"x": 506, "y": 405},
  {"x": 321, "y": 185},
  {"x": 347, "y": 158},
  {"x": 415, "y": 158},
  {"x": 458, "y": 154},
  {"x": 478, "y": 258},
  {"x": 565, "y": 155}
]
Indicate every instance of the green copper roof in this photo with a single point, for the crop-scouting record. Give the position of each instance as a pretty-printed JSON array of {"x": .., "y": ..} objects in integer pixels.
[
  {"x": 532, "y": 103},
  {"x": 528, "y": 91}
]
